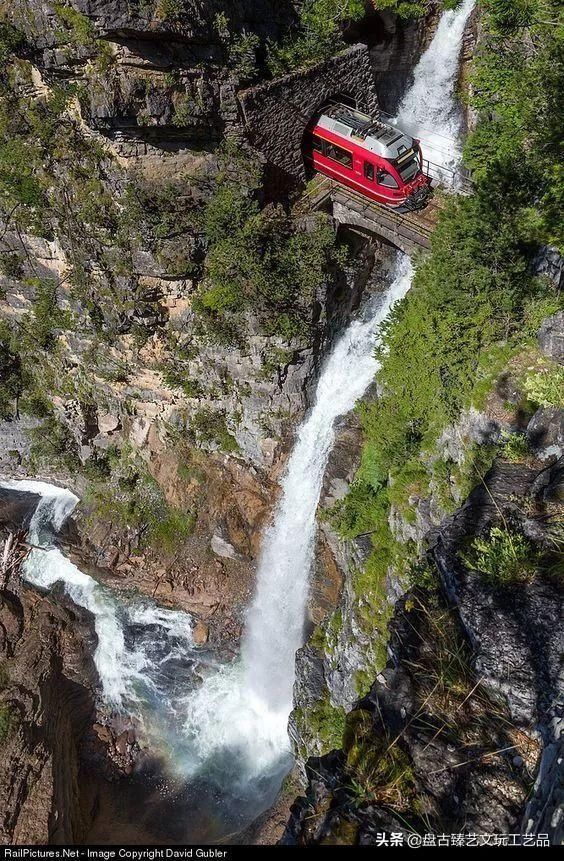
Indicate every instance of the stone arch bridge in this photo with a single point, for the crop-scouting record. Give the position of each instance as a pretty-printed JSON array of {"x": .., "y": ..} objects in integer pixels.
[{"x": 275, "y": 116}]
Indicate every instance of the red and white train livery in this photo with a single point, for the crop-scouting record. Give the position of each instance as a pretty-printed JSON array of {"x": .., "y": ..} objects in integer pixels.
[{"x": 371, "y": 157}]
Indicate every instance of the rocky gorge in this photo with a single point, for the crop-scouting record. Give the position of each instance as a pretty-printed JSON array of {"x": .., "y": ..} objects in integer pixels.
[{"x": 168, "y": 306}]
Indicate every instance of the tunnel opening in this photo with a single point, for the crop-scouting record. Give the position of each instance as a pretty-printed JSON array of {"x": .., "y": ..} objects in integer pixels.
[{"x": 343, "y": 98}]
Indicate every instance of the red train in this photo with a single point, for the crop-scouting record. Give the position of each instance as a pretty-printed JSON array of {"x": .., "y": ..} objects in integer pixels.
[{"x": 375, "y": 159}]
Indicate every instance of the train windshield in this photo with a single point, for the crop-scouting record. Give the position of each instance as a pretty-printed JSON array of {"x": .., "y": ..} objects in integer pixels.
[{"x": 408, "y": 165}]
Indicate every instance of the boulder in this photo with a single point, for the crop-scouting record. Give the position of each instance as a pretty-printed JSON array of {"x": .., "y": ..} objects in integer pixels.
[
  {"x": 551, "y": 337},
  {"x": 222, "y": 548},
  {"x": 200, "y": 633},
  {"x": 545, "y": 432}
]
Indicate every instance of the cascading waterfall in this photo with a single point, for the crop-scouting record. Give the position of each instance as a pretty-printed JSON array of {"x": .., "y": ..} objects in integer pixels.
[
  {"x": 429, "y": 109},
  {"x": 136, "y": 639},
  {"x": 245, "y": 708},
  {"x": 231, "y": 729},
  {"x": 238, "y": 718}
]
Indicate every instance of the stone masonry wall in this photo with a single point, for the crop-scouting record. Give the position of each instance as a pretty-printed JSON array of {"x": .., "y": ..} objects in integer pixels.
[{"x": 277, "y": 113}]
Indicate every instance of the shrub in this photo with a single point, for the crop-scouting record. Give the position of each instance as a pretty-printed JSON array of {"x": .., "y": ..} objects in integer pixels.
[
  {"x": 317, "y": 35},
  {"x": 516, "y": 448},
  {"x": 547, "y": 387},
  {"x": 77, "y": 26},
  {"x": 131, "y": 497},
  {"x": 11, "y": 264},
  {"x": 11, "y": 40},
  {"x": 209, "y": 426},
  {"x": 52, "y": 443},
  {"x": 503, "y": 558},
  {"x": 376, "y": 764},
  {"x": 183, "y": 111},
  {"x": 8, "y": 721},
  {"x": 263, "y": 262},
  {"x": 169, "y": 10},
  {"x": 40, "y": 329},
  {"x": 11, "y": 371},
  {"x": 324, "y": 721}
]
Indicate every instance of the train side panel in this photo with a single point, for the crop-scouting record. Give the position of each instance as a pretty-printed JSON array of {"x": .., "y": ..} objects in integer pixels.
[{"x": 351, "y": 165}]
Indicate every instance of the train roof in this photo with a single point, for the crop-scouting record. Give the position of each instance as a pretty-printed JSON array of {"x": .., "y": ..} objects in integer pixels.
[{"x": 380, "y": 138}]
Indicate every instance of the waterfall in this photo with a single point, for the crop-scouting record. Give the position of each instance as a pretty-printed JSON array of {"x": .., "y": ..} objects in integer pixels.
[
  {"x": 276, "y": 617},
  {"x": 429, "y": 109},
  {"x": 244, "y": 708},
  {"x": 238, "y": 718}
]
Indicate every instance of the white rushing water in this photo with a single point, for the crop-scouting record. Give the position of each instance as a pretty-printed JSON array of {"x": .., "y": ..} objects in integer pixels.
[
  {"x": 245, "y": 708},
  {"x": 232, "y": 727},
  {"x": 429, "y": 109},
  {"x": 125, "y": 654}
]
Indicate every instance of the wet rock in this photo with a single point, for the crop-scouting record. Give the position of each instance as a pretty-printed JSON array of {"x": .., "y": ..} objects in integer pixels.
[
  {"x": 17, "y": 508},
  {"x": 121, "y": 743},
  {"x": 200, "y": 633},
  {"x": 47, "y": 702},
  {"x": 103, "y": 732}
]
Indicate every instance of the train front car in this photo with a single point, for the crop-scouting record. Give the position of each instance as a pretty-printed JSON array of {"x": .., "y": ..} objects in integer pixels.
[{"x": 376, "y": 160}]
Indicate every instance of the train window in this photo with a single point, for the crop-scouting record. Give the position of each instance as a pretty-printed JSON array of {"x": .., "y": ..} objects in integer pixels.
[
  {"x": 384, "y": 178},
  {"x": 337, "y": 154},
  {"x": 317, "y": 143},
  {"x": 408, "y": 170},
  {"x": 368, "y": 170}
]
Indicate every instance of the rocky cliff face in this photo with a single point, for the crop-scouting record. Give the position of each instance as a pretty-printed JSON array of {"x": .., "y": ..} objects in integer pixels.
[
  {"x": 46, "y": 706},
  {"x": 492, "y": 641},
  {"x": 468, "y": 709}
]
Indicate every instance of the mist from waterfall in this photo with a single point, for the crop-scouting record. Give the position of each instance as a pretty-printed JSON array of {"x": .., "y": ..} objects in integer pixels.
[
  {"x": 227, "y": 725},
  {"x": 429, "y": 109}
]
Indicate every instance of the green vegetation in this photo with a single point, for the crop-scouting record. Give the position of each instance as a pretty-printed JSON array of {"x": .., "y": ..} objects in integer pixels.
[
  {"x": 516, "y": 447},
  {"x": 474, "y": 304},
  {"x": 323, "y": 722},
  {"x": 377, "y": 765},
  {"x": 11, "y": 374},
  {"x": 52, "y": 443},
  {"x": 8, "y": 721},
  {"x": 546, "y": 388},
  {"x": 169, "y": 10},
  {"x": 317, "y": 36},
  {"x": 10, "y": 41},
  {"x": 240, "y": 49},
  {"x": 412, "y": 8},
  {"x": 503, "y": 557},
  {"x": 209, "y": 427},
  {"x": 76, "y": 26},
  {"x": 128, "y": 495},
  {"x": 262, "y": 261}
]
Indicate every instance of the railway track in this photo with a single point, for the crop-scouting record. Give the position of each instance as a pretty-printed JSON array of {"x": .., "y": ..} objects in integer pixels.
[{"x": 414, "y": 228}]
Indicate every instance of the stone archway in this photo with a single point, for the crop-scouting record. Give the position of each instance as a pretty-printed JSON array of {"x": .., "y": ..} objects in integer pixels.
[{"x": 277, "y": 113}]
